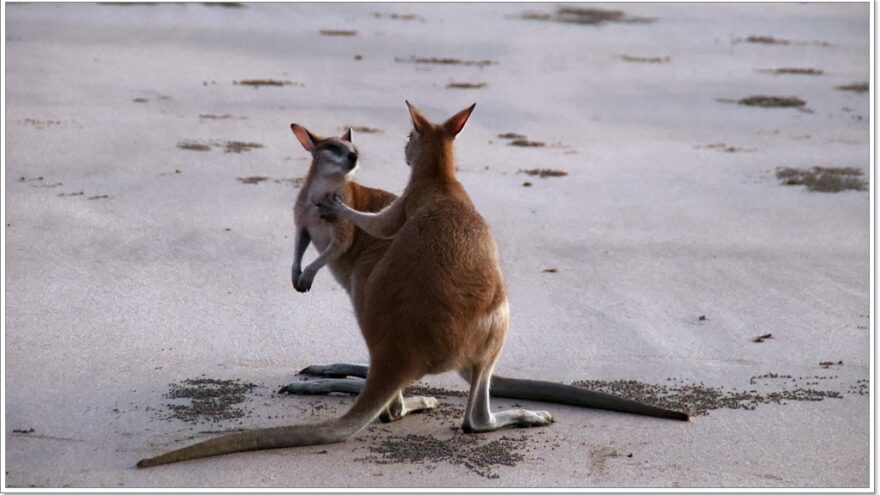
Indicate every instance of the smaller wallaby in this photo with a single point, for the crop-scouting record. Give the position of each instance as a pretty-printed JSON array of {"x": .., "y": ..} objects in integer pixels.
[{"x": 334, "y": 161}]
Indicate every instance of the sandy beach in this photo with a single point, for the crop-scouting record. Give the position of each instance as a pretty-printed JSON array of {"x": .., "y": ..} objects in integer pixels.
[{"x": 680, "y": 246}]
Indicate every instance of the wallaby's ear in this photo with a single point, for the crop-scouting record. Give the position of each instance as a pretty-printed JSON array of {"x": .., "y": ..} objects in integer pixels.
[
  {"x": 346, "y": 136},
  {"x": 306, "y": 138},
  {"x": 456, "y": 123},
  {"x": 420, "y": 123}
]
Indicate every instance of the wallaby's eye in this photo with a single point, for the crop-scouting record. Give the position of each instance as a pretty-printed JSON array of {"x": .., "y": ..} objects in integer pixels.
[{"x": 335, "y": 149}]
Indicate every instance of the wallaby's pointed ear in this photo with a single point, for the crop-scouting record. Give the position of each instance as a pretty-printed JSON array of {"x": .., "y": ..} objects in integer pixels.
[
  {"x": 456, "y": 123},
  {"x": 420, "y": 123},
  {"x": 305, "y": 137},
  {"x": 346, "y": 136}
]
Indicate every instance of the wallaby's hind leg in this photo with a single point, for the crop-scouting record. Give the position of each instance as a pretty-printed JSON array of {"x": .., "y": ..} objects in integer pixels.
[
  {"x": 478, "y": 417},
  {"x": 338, "y": 370}
]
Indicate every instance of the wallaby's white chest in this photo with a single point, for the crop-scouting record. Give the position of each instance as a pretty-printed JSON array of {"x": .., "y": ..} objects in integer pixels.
[{"x": 320, "y": 230}]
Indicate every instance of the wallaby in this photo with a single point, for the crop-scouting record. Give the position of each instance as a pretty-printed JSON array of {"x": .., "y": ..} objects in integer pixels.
[
  {"x": 334, "y": 162},
  {"x": 451, "y": 315}
]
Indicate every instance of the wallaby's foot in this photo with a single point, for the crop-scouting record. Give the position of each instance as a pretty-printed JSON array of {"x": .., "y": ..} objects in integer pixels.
[
  {"x": 324, "y": 387},
  {"x": 401, "y": 406},
  {"x": 514, "y": 418},
  {"x": 338, "y": 370},
  {"x": 304, "y": 281}
]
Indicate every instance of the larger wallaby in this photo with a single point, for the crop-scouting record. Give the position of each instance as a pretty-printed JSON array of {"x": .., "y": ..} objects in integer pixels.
[{"x": 430, "y": 300}]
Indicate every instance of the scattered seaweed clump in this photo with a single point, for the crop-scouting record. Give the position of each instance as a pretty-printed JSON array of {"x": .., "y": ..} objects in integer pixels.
[
  {"x": 772, "y": 101},
  {"x": 766, "y": 40},
  {"x": 464, "y": 450},
  {"x": 338, "y": 32},
  {"x": 398, "y": 17},
  {"x": 210, "y": 400},
  {"x": 225, "y": 116},
  {"x": 239, "y": 146},
  {"x": 511, "y": 135},
  {"x": 698, "y": 399},
  {"x": 362, "y": 129},
  {"x": 421, "y": 389},
  {"x": 256, "y": 179},
  {"x": 646, "y": 60},
  {"x": 772, "y": 40},
  {"x": 257, "y": 83},
  {"x": 228, "y": 146},
  {"x": 193, "y": 146},
  {"x": 544, "y": 172},
  {"x": 443, "y": 61},
  {"x": 586, "y": 16},
  {"x": 823, "y": 179},
  {"x": 723, "y": 147},
  {"x": 805, "y": 71},
  {"x": 855, "y": 87},
  {"x": 465, "y": 85},
  {"x": 525, "y": 143}
]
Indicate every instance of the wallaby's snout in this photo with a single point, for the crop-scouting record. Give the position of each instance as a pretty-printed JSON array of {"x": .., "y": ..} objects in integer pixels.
[{"x": 352, "y": 159}]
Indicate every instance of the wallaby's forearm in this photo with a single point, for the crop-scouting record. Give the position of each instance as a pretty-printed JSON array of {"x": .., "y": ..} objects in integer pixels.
[
  {"x": 382, "y": 225},
  {"x": 332, "y": 251},
  {"x": 302, "y": 242}
]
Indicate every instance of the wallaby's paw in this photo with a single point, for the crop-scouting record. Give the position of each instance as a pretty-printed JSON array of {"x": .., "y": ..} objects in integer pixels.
[
  {"x": 431, "y": 402},
  {"x": 539, "y": 418},
  {"x": 545, "y": 416},
  {"x": 294, "y": 276},
  {"x": 304, "y": 282},
  {"x": 329, "y": 206}
]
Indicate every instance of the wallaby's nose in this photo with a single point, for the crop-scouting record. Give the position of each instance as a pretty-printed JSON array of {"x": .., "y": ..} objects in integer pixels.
[{"x": 352, "y": 157}]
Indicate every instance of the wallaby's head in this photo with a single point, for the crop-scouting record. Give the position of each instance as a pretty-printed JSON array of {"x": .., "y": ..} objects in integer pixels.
[
  {"x": 430, "y": 145},
  {"x": 330, "y": 156}
]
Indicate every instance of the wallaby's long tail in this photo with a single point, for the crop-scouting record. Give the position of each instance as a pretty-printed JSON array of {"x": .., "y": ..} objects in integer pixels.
[
  {"x": 374, "y": 397},
  {"x": 268, "y": 438},
  {"x": 538, "y": 390}
]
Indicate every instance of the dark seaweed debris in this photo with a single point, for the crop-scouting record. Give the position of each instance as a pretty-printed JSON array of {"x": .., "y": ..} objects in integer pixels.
[
  {"x": 461, "y": 449},
  {"x": 855, "y": 87},
  {"x": 444, "y": 61},
  {"x": 256, "y": 83},
  {"x": 586, "y": 16},
  {"x": 211, "y": 400},
  {"x": 772, "y": 101},
  {"x": 465, "y": 85},
  {"x": 806, "y": 71},
  {"x": 823, "y": 179},
  {"x": 544, "y": 172},
  {"x": 698, "y": 399}
]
